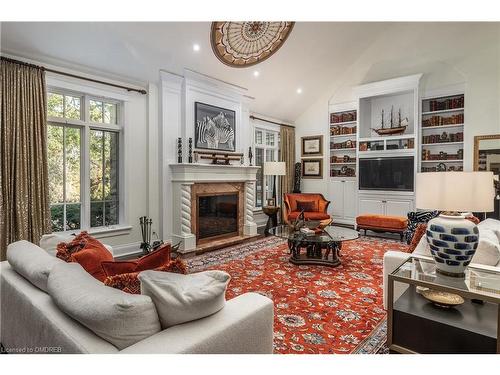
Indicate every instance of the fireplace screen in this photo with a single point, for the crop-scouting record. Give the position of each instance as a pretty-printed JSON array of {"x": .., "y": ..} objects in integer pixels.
[{"x": 217, "y": 215}]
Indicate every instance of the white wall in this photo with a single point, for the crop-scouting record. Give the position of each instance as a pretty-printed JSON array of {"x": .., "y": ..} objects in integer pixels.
[{"x": 447, "y": 56}]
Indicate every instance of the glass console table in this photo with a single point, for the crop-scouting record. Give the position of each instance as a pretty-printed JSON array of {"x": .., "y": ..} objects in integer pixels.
[{"x": 416, "y": 325}]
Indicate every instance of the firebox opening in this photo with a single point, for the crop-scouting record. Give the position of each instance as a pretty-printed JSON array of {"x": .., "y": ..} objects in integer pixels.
[{"x": 217, "y": 215}]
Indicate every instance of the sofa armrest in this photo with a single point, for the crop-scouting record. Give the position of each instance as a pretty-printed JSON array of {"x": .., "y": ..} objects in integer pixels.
[
  {"x": 244, "y": 325},
  {"x": 392, "y": 260}
]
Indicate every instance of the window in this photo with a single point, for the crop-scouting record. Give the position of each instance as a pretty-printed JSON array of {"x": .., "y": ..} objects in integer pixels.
[
  {"x": 266, "y": 145},
  {"x": 83, "y": 161}
]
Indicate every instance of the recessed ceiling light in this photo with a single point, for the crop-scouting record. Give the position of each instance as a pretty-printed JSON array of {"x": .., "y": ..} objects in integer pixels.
[
  {"x": 196, "y": 47},
  {"x": 299, "y": 91},
  {"x": 256, "y": 73}
]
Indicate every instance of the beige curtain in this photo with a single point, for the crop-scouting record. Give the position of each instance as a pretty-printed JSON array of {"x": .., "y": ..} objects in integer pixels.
[
  {"x": 287, "y": 154},
  {"x": 24, "y": 194}
]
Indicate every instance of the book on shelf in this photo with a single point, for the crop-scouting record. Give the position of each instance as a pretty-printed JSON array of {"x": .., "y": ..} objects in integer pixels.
[
  {"x": 446, "y": 103},
  {"x": 443, "y": 120},
  {"x": 338, "y": 117}
]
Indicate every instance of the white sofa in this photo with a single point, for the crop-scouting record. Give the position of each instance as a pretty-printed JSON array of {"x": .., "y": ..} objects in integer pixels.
[
  {"x": 393, "y": 259},
  {"x": 32, "y": 323}
]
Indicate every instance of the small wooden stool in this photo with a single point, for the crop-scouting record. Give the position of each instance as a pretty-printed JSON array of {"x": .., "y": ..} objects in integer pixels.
[{"x": 382, "y": 223}]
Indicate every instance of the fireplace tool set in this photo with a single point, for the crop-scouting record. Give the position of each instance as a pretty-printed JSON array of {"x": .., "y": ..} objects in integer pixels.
[{"x": 146, "y": 224}]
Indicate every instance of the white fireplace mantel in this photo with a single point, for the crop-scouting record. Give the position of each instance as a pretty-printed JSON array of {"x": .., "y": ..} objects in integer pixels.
[
  {"x": 184, "y": 175},
  {"x": 197, "y": 172}
]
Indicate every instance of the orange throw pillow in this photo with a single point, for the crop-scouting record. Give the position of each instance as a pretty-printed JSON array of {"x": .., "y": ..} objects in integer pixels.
[
  {"x": 91, "y": 256},
  {"x": 64, "y": 250},
  {"x": 130, "y": 283},
  {"x": 148, "y": 262},
  {"x": 419, "y": 232}
]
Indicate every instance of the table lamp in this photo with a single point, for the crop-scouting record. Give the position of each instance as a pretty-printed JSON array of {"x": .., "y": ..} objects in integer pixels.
[
  {"x": 274, "y": 168},
  {"x": 452, "y": 238}
]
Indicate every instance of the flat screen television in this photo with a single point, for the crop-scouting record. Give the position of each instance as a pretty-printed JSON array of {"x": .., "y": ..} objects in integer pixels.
[{"x": 388, "y": 174}]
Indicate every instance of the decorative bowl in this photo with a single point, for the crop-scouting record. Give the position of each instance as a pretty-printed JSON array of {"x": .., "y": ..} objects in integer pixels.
[{"x": 442, "y": 299}]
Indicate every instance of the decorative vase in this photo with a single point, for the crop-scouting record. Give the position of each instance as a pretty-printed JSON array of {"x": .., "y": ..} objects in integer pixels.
[{"x": 453, "y": 242}]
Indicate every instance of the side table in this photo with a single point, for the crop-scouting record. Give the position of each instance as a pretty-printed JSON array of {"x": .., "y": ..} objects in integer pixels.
[{"x": 272, "y": 217}]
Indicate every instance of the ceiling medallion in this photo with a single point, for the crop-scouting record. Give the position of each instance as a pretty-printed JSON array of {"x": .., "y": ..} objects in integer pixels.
[{"x": 242, "y": 44}]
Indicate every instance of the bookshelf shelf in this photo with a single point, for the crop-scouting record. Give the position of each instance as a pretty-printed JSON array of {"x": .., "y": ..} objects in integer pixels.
[
  {"x": 440, "y": 113},
  {"x": 343, "y": 129}
]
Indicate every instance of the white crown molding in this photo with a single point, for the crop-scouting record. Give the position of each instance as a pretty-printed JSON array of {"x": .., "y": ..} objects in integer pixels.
[{"x": 388, "y": 86}]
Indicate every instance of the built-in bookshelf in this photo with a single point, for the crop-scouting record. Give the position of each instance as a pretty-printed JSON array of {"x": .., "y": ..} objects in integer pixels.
[
  {"x": 442, "y": 133},
  {"x": 343, "y": 144}
]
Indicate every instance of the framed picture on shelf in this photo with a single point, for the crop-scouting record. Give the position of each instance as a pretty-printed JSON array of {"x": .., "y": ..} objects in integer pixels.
[
  {"x": 214, "y": 128},
  {"x": 312, "y": 146},
  {"x": 312, "y": 168}
]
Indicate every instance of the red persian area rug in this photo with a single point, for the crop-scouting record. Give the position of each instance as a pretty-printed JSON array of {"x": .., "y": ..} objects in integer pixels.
[{"x": 317, "y": 309}]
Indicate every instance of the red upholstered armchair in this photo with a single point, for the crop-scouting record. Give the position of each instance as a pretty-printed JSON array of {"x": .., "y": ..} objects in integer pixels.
[{"x": 314, "y": 205}]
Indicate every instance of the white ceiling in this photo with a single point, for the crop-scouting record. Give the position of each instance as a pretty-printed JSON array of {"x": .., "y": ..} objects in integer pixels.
[{"x": 314, "y": 56}]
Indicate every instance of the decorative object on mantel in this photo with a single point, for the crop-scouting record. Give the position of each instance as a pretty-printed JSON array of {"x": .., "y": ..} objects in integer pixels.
[
  {"x": 250, "y": 155},
  {"x": 221, "y": 158},
  {"x": 146, "y": 223},
  {"x": 190, "y": 150},
  {"x": 215, "y": 127},
  {"x": 296, "y": 181},
  {"x": 392, "y": 130},
  {"x": 452, "y": 238},
  {"x": 179, "y": 150},
  {"x": 242, "y": 44}
]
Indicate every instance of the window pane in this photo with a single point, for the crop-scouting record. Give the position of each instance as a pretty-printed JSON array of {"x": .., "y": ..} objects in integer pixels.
[
  {"x": 109, "y": 113},
  {"x": 269, "y": 139},
  {"x": 57, "y": 218},
  {"x": 55, "y": 161},
  {"x": 95, "y": 111},
  {"x": 258, "y": 137},
  {"x": 72, "y": 136},
  {"x": 111, "y": 213},
  {"x": 96, "y": 214},
  {"x": 110, "y": 166},
  {"x": 73, "y": 216},
  {"x": 55, "y": 107},
  {"x": 269, "y": 155},
  {"x": 259, "y": 161},
  {"x": 72, "y": 107},
  {"x": 96, "y": 164}
]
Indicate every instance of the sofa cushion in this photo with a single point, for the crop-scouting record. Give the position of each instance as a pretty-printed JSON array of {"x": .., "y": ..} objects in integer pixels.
[
  {"x": 488, "y": 249},
  {"x": 150, "y": 261},
  {"x": 309, "y": 215},
  {"x": 491, "y": 224},
  {"x": 129, "y": 282},
  {"x": 91, "y": 257},
  {"x": 49, "y": 242},
  {"x": 183, "y": 298},
  {"x": 31, "y": 262},
  {"x": 119, "y": 318}
]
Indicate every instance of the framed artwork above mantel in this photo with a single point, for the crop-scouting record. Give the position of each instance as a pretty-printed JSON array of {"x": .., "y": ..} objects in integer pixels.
[
  {"x": 214, "y": 128},
  {"x": 311, "y": 146}
]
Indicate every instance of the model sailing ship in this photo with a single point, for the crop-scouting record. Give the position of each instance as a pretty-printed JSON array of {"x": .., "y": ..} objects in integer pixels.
[{"x": 392, "y": 130}]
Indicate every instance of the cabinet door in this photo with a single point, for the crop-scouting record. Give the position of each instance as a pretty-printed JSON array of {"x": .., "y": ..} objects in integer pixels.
[
  {"x": 398, "y": 207},
  {"x": 371, "y": 206},
  {"x": 336, "y": 197},
  {"x": 350, "y": 200}
]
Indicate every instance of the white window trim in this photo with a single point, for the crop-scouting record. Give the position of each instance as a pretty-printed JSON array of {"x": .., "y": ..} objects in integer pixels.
[
  {"x": 86, "y": 125},
  {"x": 269, "y": 129}
]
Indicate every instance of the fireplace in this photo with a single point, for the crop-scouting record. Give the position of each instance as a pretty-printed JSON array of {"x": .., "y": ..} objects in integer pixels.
[
  {"x": 217, "y": 215},
  {"x": 217, "y": 211}
]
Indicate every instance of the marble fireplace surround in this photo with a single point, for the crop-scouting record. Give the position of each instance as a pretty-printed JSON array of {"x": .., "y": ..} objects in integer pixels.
[{"x": 190, "y": 180}]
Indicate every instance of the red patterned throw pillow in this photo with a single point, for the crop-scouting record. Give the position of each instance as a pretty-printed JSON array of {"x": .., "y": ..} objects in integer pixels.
[
  {"x": 307, "y": 206},
  {"x": 148, "y": 262},
  {"x": 65, "y": 249},
  {"x": 129, "y": 282},
  {"x": 419, "y": 232}
]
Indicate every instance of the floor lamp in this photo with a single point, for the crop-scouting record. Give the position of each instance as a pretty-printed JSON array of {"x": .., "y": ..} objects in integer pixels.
[{"x": 274, "y": 168}]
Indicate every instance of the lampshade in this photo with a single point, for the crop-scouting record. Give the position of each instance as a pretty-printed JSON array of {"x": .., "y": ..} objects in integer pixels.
[
  {"x": 274, "y": 168},
  {"x": 455, "y": 191}
]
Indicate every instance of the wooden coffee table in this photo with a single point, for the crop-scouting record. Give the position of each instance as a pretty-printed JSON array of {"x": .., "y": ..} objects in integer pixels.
[{"x": 322, "y": 248}]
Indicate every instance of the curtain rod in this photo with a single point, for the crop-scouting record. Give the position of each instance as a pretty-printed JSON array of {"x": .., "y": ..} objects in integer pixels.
[
  {"x": 271, "y": 122},
  {"x": 140, "y": 91}
]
